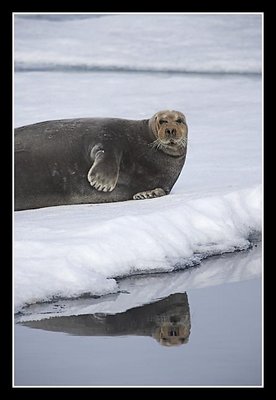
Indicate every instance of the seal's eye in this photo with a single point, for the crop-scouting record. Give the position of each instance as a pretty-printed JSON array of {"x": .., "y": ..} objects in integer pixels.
[
  {"x": 162, "y": 121},
  {"x": 179, "y": 121}
]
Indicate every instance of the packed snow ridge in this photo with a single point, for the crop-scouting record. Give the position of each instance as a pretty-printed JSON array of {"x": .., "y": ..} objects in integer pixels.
[{"x": 69, "y": 251}]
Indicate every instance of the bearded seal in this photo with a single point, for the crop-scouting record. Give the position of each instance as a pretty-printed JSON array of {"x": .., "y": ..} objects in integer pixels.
[
  {"x": 168, "y": 321},
  {"x": 98, "y": 160}
]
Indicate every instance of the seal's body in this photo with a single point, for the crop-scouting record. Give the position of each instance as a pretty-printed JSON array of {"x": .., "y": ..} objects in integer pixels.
[{"x": 96, "y": 160}]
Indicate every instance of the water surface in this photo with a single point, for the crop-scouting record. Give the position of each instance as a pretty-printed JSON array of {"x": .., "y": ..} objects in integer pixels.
[{"x": 205, "y": 336}]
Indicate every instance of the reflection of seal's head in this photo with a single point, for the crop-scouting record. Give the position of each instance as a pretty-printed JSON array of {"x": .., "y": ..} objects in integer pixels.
[
  {"x": 171, "y": 132},
  {"x": 173, "y": 332}
]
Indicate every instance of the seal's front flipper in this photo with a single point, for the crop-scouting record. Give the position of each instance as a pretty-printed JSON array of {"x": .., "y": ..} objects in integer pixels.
[
  {"x": 104, "y": 172},
  {"x": 148, "y": 194}
]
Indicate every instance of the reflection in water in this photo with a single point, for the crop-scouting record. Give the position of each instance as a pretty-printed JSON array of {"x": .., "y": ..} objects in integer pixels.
[{"x": 167, "y": 321}]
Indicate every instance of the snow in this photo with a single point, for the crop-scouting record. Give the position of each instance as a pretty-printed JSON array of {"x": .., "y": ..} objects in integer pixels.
[
  {"x": 66, "y": 68},
  {"x": 138, "y": 290},
  {"x": 142, "y": 42},
  {"x": 71, "y": 250}
]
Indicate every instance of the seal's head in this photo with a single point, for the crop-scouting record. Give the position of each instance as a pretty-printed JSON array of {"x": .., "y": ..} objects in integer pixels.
[
  {"x": 171, "y": 132},
  {"x": 171, "y": 334}
]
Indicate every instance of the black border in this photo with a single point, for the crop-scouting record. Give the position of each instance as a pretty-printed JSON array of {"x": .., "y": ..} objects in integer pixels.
[{"x": 6, "y": 209}]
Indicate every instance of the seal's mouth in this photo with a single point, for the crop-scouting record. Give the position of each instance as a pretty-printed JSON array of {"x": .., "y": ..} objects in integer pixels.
[
  {"x": 173, "y": 142},
  {"x": 169, "y": 143}
]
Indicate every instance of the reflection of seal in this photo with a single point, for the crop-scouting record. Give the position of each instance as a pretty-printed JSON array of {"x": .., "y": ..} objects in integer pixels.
[
  {"x": 167, "y": 321},
  {"x": 97, "y": 160}
]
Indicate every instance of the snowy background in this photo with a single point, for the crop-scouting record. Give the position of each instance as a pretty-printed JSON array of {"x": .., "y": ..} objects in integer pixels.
[{"x": 130, "y": 66}]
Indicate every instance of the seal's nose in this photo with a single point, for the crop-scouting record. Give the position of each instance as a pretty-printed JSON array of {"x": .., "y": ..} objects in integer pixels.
[
  {"x": 173, "y": 332},
  {"x": 170, "y": 132}
]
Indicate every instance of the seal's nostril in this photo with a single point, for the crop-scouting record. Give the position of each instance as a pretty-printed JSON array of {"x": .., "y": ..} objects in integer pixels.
[{"x": 170, "y": 132}]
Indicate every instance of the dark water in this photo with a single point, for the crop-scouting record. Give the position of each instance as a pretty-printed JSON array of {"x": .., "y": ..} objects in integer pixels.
[{"x": 204, "y": 337}]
